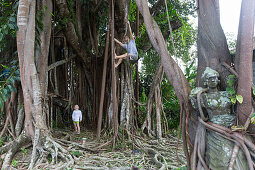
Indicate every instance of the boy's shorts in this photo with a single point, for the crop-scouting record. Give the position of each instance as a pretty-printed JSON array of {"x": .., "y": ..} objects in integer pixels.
[{"x": 76, "y": 122}]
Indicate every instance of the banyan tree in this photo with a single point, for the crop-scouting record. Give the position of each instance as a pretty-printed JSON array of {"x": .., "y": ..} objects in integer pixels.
[{"x": 65, "y": 53}]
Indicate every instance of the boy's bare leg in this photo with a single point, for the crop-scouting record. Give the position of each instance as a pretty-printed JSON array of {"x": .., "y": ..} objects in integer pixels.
[
  {"x": 78, "y": 128},
  {"x": 118, "y": 63},
  {"x": 75, "y": 127}
]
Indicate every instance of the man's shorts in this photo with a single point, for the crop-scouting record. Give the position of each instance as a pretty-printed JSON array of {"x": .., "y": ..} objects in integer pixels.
[
  {"x": 76, "y": 122},
  {"x": 133, "y": 57}
]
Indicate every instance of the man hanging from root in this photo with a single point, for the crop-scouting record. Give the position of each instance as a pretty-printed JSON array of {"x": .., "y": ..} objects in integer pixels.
[{"x": 130, "y": 46}]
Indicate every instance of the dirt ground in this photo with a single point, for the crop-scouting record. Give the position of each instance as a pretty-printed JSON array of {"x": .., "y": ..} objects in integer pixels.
[{"x": 138, "y": 152}]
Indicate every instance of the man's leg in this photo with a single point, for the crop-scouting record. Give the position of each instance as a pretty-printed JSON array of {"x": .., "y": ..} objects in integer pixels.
[
  {"x": 120, "y": 57},
  {"x": 123, "y": 56},
  {"x": 118, "y": 63}
]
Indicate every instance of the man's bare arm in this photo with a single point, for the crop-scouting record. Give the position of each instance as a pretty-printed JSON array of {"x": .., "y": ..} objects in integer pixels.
[
  {"x": 120, "y": 43},
  {"x": 130, "y": 32}
]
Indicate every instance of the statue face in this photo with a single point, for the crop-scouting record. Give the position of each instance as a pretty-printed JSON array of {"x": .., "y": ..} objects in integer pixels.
[{"x": 213, "y": 82}]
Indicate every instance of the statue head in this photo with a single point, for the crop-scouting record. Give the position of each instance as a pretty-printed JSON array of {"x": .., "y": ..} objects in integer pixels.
[{"x": 210, "y": 78}]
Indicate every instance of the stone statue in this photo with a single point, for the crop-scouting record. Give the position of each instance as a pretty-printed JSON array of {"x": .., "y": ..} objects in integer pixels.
[{"x": 216, "y": 107}]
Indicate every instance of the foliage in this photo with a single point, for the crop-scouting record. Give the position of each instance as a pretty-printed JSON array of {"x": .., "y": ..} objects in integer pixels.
[
  {"x": 8, "y": 28},
  {"x": 191, "y": 73},
  {"x": 1, "y": 142},
  {"x": 7, "y": 79},
  {"x": 231, "y": 90},
  {"x": 8, "y": 17},
  {"x": 231, "y": 40},
  {"x": 184, "y": 37},
  {"x": 24, "y": 151},
  {"x": 76, "y": 153},
  {"x": 14, "y": 163}
]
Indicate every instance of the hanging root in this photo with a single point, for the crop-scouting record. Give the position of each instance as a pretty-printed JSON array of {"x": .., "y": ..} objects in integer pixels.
[{"x": 233, "y": 156}]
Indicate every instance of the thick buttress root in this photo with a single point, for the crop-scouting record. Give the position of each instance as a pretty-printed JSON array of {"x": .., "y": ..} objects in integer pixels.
[{"x": 10, "y": 149}]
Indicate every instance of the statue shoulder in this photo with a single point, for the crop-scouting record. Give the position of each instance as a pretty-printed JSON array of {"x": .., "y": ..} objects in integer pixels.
[
  {"x": 193, "y": 96},
  {"x": 195, "y": 91}
]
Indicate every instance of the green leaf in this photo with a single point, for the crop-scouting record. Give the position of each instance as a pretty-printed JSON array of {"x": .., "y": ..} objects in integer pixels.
[
  {"x": 2, "y": 96},
  {"x": 232, "y": 92},
  {"x": 11, "y": 26},
  {"x": 4, "y": 66},
  {"x": 5, "y": 31},
  {"x": 11, "y": 79},
  {"x": 11, "y": 88},
  {"x": 233, "y": 100},
  {"x": 12, "y": 19},
  {"x": 1, "y": 36},
  {"x": 1, "y": 103},
  {"x": 253, "y": 91},
  {"x": 253, "y": 120},
  {"x": 52, "y": 14},
  {"x": 228, "y": 89},
  {"x": 239, "y": 98},
  {"x": 231, "y": 76},
  {"x": 230, "y": 83}
]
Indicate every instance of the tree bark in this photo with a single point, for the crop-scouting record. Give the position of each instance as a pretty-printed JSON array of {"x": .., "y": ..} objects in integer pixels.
[
  {"x": 211, "y": 42},
  {"x": 114, "y": 89},
  {"x": 244, "y": 55},
  {"x": 25, "y": 46}
]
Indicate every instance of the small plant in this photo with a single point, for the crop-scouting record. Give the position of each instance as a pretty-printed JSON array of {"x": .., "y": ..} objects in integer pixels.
[
  {"x": 24, "y": 151},
  {"x": 50, "y": 159},
  {"x": 253, "y": 118},
  {"x": 1, "y": 143},
  {"x": 14, "y": 163},
  {"x": 232, "y": 92},
  {"x": 76, "y": 153}
]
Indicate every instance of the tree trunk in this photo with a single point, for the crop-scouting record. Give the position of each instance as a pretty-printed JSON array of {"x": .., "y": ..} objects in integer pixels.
[
  {"x": 244, "y": 59},
  {"x": 211, "y": 42},
  {"x": 25, "y": 46}
]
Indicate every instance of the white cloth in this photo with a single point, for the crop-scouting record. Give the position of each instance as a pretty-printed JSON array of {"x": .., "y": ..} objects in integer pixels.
[{"x": 77, "y": 116}]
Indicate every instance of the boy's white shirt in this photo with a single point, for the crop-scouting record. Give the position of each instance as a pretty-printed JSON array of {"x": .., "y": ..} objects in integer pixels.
[{"x": 77, "y": 116}]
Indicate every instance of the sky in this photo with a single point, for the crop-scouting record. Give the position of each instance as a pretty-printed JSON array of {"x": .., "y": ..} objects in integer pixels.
[{"x": 229, "y": 15}]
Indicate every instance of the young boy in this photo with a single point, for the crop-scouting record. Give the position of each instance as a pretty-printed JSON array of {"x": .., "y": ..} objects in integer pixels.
[
  {"x": 129, "y": 46},
  {"x": 77, "y": 118}
]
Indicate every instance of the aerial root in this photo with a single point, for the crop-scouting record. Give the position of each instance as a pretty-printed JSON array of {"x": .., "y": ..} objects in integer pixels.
[
  {"x": 55, "y": 153},
  {"x": 241, "y": 141},
  {"x": 60, "y": 156},
  {"x": 162, "y": 152},
  {"x": 12, "y": 148}
]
